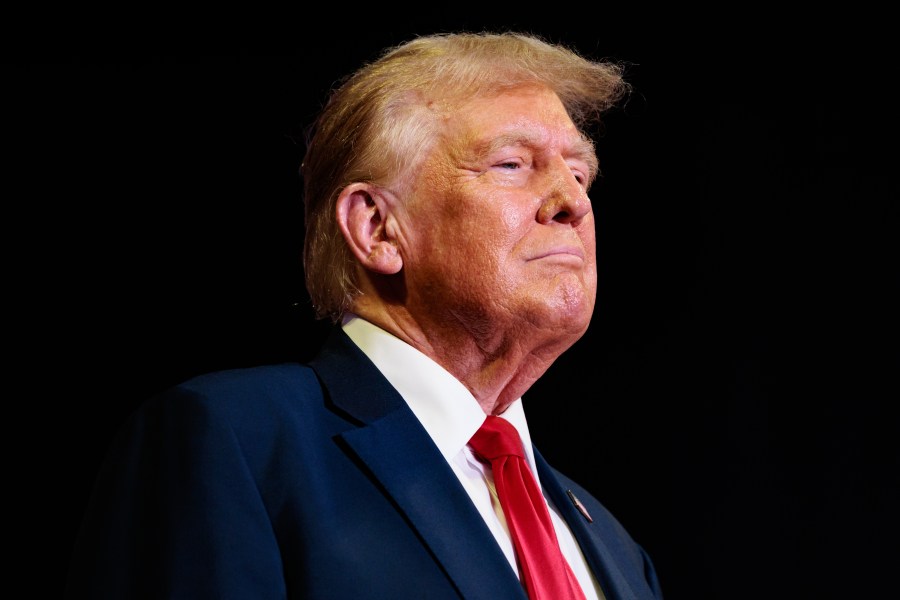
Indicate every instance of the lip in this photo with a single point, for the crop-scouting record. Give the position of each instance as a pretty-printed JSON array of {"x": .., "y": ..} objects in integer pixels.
[{"x": 560, "y": 252}]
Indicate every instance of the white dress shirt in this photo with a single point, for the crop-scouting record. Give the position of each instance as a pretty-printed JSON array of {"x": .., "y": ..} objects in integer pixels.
[{"x": 451, "y": 416}]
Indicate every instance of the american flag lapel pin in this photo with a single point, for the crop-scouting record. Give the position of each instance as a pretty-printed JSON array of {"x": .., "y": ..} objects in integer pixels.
[{"x": 579, "y": 506}]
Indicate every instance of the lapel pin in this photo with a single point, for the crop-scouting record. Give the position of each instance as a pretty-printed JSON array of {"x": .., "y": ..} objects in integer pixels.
[{"x": 579, "y": 506}]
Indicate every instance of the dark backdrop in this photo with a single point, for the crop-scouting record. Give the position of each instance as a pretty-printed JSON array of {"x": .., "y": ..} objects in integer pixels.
[{"x": 732, "y": 401}]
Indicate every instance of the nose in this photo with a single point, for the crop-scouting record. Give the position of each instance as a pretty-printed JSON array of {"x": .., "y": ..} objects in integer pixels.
[{"x": 563, "y": 200}]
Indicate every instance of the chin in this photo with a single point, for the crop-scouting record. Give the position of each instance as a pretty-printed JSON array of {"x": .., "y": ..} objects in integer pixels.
[{"x": 567, "y": 313}]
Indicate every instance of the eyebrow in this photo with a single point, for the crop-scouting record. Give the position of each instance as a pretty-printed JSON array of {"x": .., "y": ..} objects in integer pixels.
[{"x": 582, "y": 149}]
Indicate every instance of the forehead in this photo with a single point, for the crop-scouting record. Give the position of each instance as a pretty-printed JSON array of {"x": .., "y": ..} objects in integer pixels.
[
  {"x": 530, "y": 116},
  {"x": 527, "y": 115}
]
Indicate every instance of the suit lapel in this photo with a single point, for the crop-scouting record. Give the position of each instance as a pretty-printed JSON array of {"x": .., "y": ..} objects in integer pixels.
[
  {"x": 400, "y": 454},
  {"x": 615, "y": 583}
]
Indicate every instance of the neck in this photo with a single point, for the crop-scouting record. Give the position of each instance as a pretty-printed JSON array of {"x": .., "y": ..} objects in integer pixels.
[{"x": 496, "y": 365}]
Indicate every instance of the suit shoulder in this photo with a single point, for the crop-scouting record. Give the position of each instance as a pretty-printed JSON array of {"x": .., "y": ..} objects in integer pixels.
[
  {"x": 243, "y": 393},
  {"x": 267, "y": 380},
  {"x": 257, "y": 408}
]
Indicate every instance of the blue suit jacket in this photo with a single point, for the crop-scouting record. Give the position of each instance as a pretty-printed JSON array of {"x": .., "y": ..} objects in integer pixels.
[{"x": 292, "y": 481}]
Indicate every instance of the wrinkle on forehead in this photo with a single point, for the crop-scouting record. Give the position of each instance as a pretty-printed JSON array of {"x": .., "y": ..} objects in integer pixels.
[{"x": 463, "y": 139}]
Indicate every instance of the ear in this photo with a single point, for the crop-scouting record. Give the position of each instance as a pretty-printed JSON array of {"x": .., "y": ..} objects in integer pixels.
[{"x": 361, "y": 213}]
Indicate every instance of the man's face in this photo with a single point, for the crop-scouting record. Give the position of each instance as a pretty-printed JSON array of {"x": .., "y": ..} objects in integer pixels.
[{"x": 498, "y": 229}]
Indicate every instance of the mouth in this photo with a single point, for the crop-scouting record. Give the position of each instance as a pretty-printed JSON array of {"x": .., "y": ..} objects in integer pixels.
[{"x": 566, "y": 253}]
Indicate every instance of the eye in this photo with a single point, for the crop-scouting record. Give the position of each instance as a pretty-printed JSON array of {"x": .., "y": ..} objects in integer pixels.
[
  {"x": 582, "y": 172},
  {"x": 510, "y": 164}
]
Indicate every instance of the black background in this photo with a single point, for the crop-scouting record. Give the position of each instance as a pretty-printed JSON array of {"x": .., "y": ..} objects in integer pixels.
[{"x": 733, "y": 400}]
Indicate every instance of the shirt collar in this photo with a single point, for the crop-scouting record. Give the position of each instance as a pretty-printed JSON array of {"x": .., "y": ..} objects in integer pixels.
[{"x": 447, "y": 410}]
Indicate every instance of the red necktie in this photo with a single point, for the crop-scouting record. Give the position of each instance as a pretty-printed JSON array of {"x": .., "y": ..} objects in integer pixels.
[{"x": 545, "y": 572}]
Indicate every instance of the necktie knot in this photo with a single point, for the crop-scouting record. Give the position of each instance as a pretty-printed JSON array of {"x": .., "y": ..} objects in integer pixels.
[{"x": 496, "y": 438}]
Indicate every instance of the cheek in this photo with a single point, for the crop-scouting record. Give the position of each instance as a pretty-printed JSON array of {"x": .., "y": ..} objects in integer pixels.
[
  {"x": 508, "y": 226},
  {"x": 512, "y": 215},
  {"x": 488, "y": 229},
  {"x": 588, "y": 235}
]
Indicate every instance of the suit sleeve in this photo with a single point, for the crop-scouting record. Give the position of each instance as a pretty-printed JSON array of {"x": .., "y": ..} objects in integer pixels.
[{"x": 176, "y": 513}]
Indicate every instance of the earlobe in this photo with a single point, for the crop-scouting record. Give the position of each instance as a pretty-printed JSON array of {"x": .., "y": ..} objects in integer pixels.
[{"x": 361, "y": 214}]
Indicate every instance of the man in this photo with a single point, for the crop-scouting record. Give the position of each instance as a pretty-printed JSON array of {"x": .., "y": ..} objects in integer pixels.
[{"x": 450, "y": 238}]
